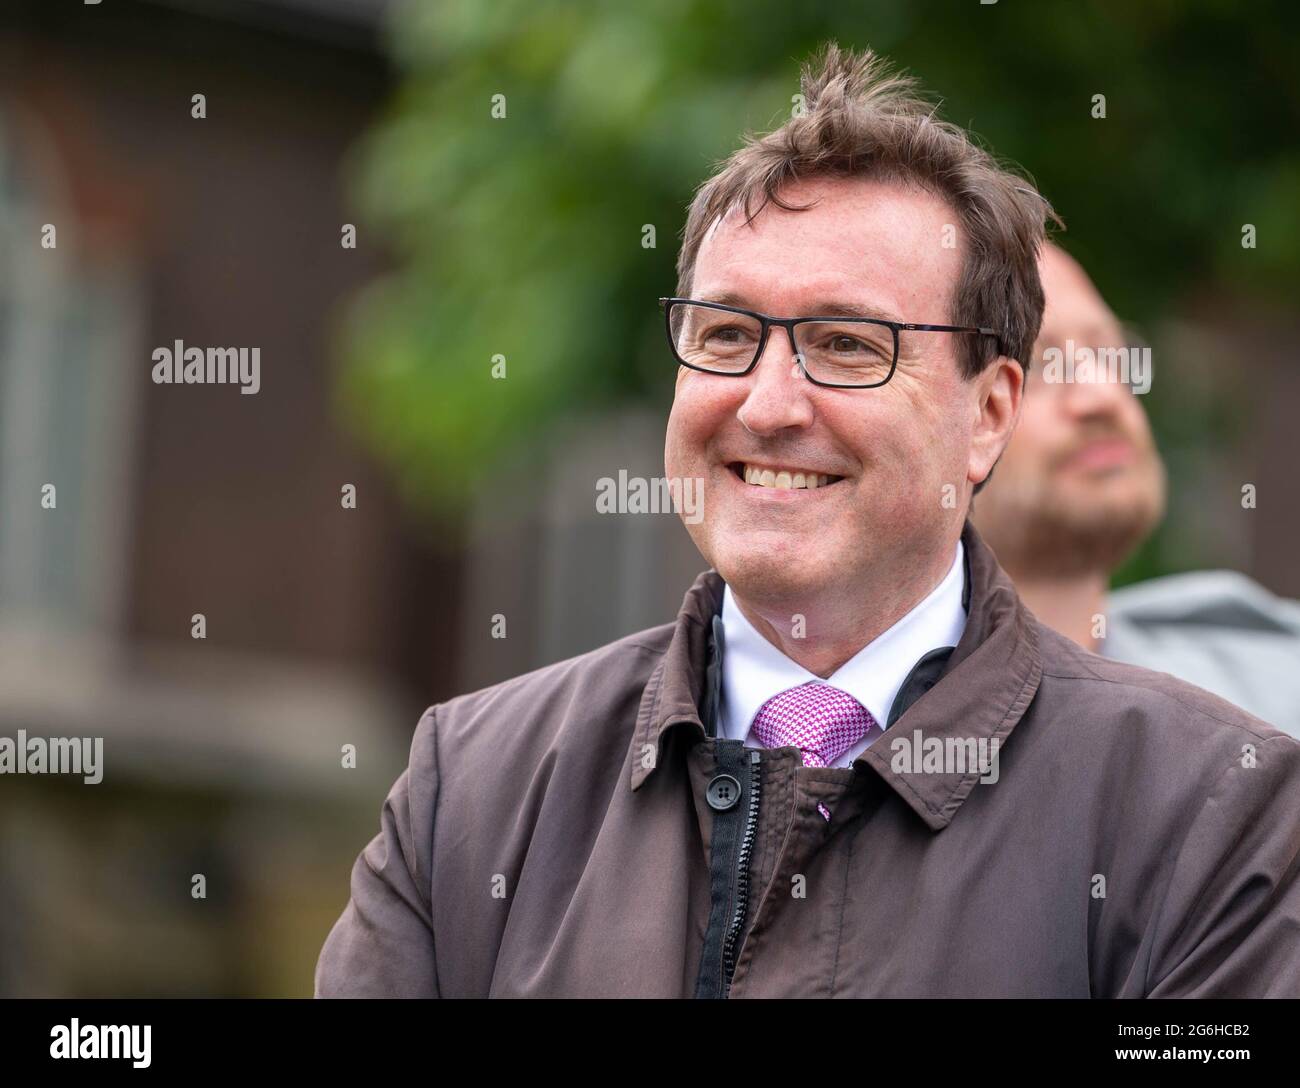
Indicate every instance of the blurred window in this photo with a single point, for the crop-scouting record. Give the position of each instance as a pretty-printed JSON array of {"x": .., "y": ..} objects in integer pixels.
[{"x": 66, "y": 392}]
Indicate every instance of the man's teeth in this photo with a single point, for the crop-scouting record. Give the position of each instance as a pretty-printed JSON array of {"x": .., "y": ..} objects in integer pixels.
[{"x": 785, "y": 478}]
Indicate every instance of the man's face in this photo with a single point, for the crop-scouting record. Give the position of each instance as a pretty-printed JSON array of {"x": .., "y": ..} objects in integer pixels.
[
  {"x": 1081, "y": 483},
  {"x": 901, "y": 457}
]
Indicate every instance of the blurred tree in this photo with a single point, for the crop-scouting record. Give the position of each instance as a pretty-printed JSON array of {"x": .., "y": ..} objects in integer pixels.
[{"x": 521, "y": 235}]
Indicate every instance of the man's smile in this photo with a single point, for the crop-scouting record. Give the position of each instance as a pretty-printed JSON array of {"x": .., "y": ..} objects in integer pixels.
[
  {"x": 780, "y": 477},
  {"x": 1101, "y": 455}
]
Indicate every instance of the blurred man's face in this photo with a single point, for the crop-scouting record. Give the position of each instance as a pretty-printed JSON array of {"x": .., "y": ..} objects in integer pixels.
[
  {"x": 1081, "y": 483},
  {"x": 889, "y": 452}
]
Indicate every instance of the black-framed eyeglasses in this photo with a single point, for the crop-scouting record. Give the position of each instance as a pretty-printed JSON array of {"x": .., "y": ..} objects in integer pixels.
[{"x": 841, "y": 352}]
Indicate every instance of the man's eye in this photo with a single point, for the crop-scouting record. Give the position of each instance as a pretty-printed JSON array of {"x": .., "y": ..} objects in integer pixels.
[{"x": 843, "y": 344}]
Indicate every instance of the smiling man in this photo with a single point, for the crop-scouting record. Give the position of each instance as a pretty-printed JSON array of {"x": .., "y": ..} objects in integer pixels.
[
  {"x": 787, "y": 791},
  {"x": 879, "y": 418}
]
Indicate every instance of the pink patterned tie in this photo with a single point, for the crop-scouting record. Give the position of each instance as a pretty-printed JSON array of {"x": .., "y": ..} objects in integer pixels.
[{"x": 821, "y": 721}]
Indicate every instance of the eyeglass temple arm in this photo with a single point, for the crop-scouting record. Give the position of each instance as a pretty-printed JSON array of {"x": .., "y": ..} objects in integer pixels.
[
  {"x": 983, "y": 330},
  {"x": 949, "y": 328}
]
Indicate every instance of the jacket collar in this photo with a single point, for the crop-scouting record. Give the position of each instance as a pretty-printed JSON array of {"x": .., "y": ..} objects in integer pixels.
[
  {"x": 983, "y": 690},
  {"x": 677, "y": 687}
]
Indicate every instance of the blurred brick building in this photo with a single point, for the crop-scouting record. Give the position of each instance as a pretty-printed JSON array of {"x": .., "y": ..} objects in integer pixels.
[{"x": 222, "y": 755}]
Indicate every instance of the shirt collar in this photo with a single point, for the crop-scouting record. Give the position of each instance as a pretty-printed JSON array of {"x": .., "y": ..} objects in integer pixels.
[
  {"x": 987, "y": 685},
  {"x": 753, "y": 670}
]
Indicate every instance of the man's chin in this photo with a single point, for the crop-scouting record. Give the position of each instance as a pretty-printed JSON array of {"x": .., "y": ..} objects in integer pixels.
[
  {"x": 773, "y": 577},
  {"x": 1072, "y": 540}
]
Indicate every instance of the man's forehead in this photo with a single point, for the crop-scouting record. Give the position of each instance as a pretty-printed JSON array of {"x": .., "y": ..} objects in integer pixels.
[
  {"x": 811, "y": 300},
  {"x": 1075, "y": 311},
  {"x": 841, "y": 208},
  {"x": 868, "y": 248}
]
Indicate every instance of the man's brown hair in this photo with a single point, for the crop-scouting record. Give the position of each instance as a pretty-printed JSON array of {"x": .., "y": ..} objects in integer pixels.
[{"x": 860, "y": 119}]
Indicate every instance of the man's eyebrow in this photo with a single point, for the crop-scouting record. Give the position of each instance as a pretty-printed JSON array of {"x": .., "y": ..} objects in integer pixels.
[
  {"x": 1090, "y": 336},
  {"x": 851, "y": 309},
  {"x": 825, "y": 308}
]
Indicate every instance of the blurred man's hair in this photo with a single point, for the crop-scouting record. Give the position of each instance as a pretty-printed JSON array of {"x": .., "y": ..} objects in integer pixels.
[{"x": 862, "y": 120}]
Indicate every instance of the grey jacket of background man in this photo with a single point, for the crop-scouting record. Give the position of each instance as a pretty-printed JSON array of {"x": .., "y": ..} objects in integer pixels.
[
  {"x": 565, "y": 833},
  {"x": 1218, "y": 630}
]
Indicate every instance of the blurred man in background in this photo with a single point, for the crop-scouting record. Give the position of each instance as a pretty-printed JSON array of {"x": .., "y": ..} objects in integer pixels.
[{"x": 1081, "y": 486}]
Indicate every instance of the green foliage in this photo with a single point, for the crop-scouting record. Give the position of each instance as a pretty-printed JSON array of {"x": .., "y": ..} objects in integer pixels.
[{"x": 522, "y": 236}]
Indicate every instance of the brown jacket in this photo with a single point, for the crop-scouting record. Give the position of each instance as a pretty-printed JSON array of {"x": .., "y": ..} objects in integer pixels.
[{"x": 565, "y": 833}]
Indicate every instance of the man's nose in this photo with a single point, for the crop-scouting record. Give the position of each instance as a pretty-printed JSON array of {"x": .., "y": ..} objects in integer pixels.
[
  {"x": 1100, "y": 396},
  {"x": 778, "y": 392}
]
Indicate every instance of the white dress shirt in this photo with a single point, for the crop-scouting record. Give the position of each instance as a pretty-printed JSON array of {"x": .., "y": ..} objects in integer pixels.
[{"x": 753, "y": 670}]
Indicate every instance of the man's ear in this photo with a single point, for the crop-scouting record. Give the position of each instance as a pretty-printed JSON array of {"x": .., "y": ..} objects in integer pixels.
[{"x": 999, "y": 387}]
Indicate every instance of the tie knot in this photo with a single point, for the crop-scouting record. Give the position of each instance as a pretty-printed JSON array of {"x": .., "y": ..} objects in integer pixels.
[{"x": 823, "y": 722}]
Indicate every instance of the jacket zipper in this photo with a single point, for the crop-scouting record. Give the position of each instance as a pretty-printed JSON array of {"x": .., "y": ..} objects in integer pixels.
[{"x": 732, "y": 939}]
